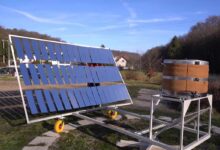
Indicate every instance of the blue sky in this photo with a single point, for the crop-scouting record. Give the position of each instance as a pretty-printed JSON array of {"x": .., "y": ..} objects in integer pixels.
[{"x": 133, "y": 25}]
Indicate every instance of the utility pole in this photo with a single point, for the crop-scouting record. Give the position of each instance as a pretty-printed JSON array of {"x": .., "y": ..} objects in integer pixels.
[
  {"x": 6, "y": 49},
  {"x": 140, "y": 61}
]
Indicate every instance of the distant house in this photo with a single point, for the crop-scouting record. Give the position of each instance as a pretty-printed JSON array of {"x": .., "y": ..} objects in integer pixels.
[{"x": 121, "y": 62}]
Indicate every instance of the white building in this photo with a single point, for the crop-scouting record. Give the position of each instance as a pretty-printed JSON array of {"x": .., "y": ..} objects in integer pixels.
[{"x": 120, "y": 62}]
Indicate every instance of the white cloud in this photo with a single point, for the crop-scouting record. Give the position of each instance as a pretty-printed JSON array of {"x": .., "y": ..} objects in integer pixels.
[
  {"x": 110, "y": 27},
  {"x": 131, "y": 11},
  {"x": 155, "y": 20},
  {"x": 200, "y": 12},
  {"x": 59, "y": 29},
  {"x": 41, "y": 19}
]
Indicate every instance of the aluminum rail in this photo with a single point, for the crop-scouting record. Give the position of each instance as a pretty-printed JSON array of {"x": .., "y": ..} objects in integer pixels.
[{"x": 123, "y": 131}]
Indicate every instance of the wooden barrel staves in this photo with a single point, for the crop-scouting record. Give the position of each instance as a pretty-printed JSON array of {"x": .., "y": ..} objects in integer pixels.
[{"x": 185, "y": 77}]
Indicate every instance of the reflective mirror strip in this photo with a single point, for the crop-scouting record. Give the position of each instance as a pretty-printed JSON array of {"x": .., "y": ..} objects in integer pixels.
[
  {"x": 75, "y": 51},
  {"x": 116, "y": 92},
  {"x": 51, "y": 51},
  {"x": 110, "y": 57},
  {"x": 65, "y": 53},
  {"x": 57, "y": 74},
  {"x": 35, "y": 46},
  {"x": 102, "y": 95},
  {"x": 85, "y": 97},
  {"x": 50, "y": 74},
  {"x": 109, "y": 92},
  {"x": 108, "y": 74},
  {"x": 25, "y": 74},
  {"x": 44, "y": 51},
  {"x": 125, "y": 92},
  {"x": 18, "y": 47},
  {"x": 80, "y": 74},
  {"x": 27, "y": 48},
  {"x": 119, "y": 88},
  {"x": 31, "y": 102},
  {"x": 43, "y": 76},
  {"x": 84, "y": 55},
  {"x": 58, "y": 52},
  {"x": 72, "y": 98},
  {"x": 91, "y": 97},
  {"x": 70, "y": 73},
  {"x": 57, "y": 100},
  {"x": 40, "y": 100},
  {"x": 49, "y": 101},
  {"x": 115, "y": 73},
  {"x": 105, "y": 56},
  {"x": 88, "y": 74},
  {"x": 119, "y": 77},
  {"x": 34, "y": 74},
  {"x": 65, "y": 99},
  {"x": 102, "y": 58},
  {"x": 94, "y": 74},
  {"x": 70, "y": 53},
  {"x": 79, "y": 98},
  {"x": 65, "y": 74},
  {"x": 97, "y": 55},
  {"x": 96, "y": 95},
  {"x": 99, "y": 74},
  {"x": 111, "y": 70},
  {"x": 93, "y": 52}
]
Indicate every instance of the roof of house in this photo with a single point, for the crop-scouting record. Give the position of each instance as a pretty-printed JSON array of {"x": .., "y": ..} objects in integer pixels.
[{"x": 118, "y": 57}]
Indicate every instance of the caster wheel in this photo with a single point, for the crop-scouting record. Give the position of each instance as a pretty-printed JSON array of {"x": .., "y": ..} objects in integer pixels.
[
  {"x": 59, "y": 126},
  {"x": 112, "y": 114}
]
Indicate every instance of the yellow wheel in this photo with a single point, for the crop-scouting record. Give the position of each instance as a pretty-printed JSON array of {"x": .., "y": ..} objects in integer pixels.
[
  {"x": 112, "y": 114},
  {"x": 59, "y": 126}
]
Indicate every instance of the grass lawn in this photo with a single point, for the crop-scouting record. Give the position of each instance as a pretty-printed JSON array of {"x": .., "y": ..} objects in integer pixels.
[
  {"x": 14, "y": 137},
  {"x": 91, "y": 137},
  {"x": 134, "y": 86}
]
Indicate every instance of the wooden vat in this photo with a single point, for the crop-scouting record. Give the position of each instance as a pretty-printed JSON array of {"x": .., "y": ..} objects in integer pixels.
[{"x": 185, "y": 77}]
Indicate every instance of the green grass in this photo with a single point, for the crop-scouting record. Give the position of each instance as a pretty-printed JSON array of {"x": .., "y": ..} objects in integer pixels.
[
  {"x": 16, "y": 136},
  {"x": 95, "y": 137},
  {"x": 92, "y": 137},
  {"x": 6, "y": 77},
  {"x": 134, "y": 86}
]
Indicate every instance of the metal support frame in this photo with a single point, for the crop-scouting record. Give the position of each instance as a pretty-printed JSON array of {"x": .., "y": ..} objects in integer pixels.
[
  {"x": 163, "y": 125},
  {"x": 185, "y": 103}
]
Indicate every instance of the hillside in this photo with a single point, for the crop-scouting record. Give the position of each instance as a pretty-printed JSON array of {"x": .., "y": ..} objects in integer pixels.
[
  {"x": 201, "y": 42},
  {"x": 4, "y": 32},
  {"x": 132, "y": 58}
]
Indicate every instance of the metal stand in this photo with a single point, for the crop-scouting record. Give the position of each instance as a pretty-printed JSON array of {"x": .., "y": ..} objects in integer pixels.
[
  {"x": 184, "y": 119},
  {"x": 162, "y": 125}
]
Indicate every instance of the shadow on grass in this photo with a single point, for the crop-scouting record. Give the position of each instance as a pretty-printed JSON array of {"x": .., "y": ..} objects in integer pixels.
[
  {"x": 104, "y": 134},
  {"x": 107, "y": 135},
  {"x": 11, "y": 108}
]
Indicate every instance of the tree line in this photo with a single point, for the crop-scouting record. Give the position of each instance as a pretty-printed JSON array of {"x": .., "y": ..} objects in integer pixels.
[
  {"x": 4, "y": 32},
  {"x": 201, "y": 42}
]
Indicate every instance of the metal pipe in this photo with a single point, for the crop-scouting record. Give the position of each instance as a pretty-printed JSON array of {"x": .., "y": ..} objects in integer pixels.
[
  {"x": 151, "y": 118},
  {"x": 182, "y": 127},
  {"x": 198, "y": 119}
]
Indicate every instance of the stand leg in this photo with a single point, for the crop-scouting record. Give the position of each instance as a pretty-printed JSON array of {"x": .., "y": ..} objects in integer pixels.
[
  {"x": 182, "y": 127},
  {"x": 198, "y": 119},
  {"x": 151, "y": 118}
]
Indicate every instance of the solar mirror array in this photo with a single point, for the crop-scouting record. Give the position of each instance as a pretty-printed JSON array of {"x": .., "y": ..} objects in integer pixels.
[{"x": 61, "y": 77}]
